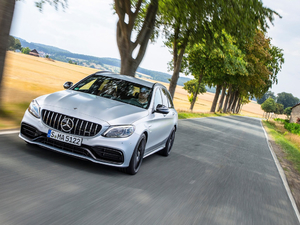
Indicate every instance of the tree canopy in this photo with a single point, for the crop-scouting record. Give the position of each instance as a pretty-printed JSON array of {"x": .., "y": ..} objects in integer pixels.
[
  {"x": 287, "y": 99},
  {"x": 26, "y": 50},
  {"x": 269, "y": 105},
  {"x": 268, "y": 94},
  {"x": 14, "y": 43},
  {"x": 189, "y": 22}
]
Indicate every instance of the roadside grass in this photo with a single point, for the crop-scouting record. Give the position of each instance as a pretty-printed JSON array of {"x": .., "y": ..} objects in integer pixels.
[
  {"x": 290, "y": 143},
  {"x": 11, "y": 115},
  {"x": 190, "y": 115}
]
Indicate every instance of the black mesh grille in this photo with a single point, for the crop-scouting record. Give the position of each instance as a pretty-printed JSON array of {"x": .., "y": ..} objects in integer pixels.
[
  {"x": 29, "y": 131},
  {"x": 108, "y": 154},
  {"x": 80, "y": 127}
]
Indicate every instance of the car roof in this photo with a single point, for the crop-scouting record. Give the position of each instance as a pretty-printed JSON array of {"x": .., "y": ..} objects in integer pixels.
[{"x": 127, "y": 78}]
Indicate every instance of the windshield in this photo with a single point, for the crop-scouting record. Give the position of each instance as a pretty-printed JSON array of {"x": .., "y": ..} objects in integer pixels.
[{"x": 116, "y": 89}]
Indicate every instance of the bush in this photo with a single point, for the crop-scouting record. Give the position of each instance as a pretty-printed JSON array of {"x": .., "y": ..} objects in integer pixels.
[
  {"x": 281, "y": 120},
  {"x": 292, "y": 127},
  {"x": 26, "y": 50}
]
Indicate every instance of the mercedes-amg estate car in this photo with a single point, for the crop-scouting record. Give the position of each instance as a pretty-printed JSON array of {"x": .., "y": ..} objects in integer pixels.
[{"x": 105, "y": 118}]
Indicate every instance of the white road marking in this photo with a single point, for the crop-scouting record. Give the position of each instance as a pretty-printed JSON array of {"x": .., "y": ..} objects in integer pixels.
[
  {"x": 9, "y": 132},
  {"x": 282, "y": 175}
]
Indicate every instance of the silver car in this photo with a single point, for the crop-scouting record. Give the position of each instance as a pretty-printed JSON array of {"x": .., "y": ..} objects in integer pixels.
[{"x": 105, "y": 118}]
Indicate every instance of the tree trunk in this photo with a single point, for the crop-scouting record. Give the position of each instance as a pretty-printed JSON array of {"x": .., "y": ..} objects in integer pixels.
[
  {"x": 241, "y": 107},
  {"x": 237, "y": 109},
  {"x": 177, "y": 57},
  {"x": 222, "y": 98},
  {"x": 6, "y": 14},
  {"x": 129, "y": 64},
  {"x": 236, "y": 98},
  {"x": 214, "y": 104},
  {"x": 196, "y": 93},
  {"x": 227, "y": 99},
  {"x": 177, "y": 68},
  {"x": 231, "y": 98}
]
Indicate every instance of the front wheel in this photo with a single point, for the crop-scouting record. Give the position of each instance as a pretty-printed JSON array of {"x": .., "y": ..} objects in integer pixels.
[
  {"x": 137, "y": 156},
  {"x": 169, "y": 144}
]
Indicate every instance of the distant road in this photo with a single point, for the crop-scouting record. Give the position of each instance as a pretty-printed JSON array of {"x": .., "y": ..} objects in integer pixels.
[{"x": 220, "y": 172}]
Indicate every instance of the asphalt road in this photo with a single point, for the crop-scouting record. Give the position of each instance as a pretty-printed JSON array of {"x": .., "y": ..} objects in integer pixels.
[{"x": 220, "y": 172}]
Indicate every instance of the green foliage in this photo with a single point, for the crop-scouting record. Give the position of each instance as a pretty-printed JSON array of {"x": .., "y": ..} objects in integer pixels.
[
  {"x": 268, "y": 94},
  {"x": 187, "y": 115},
  {"x": 47, "y": 56},
  {"x": 56, "y": 3},
  {"x": 290, "y": 148},
  {"x": 279, "y": 108},
  {"x": 71, "y": 62},
  {"x": 10, "y": 43},
  {"x": 269, "y": 105},
  {"x": 191, "y": 97},
  {"x": 292, "y": 127},
  {"x": 287, "y": 111},
  {"x": 276, "y": 62},
  {"x": 191, "y": 86},
  {"x": 281, "y": 120},
  {"x": 287, "y": 99},
  {"x": 26, "y": 50},
  {"x": 13, "y": 43},
  {"x": 217, "y": 61},
  {"x": 17, "y": 45}
]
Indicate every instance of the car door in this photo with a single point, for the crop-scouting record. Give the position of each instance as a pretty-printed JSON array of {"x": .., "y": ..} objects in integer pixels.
[{"x": 159, "y": 125}]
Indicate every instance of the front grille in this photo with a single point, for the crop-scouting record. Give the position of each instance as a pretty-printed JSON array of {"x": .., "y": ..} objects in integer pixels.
[{"x": 80, "y": 127}]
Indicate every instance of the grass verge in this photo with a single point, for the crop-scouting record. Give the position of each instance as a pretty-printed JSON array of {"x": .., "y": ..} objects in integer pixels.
[
  {"x": 291, "y": 148},
  {"x": 190, "y": 115},
  {"x": 11, "y": 115}
]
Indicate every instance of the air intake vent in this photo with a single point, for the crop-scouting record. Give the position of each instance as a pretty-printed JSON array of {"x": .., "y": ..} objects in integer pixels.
[{"x": 75, "y": 126}]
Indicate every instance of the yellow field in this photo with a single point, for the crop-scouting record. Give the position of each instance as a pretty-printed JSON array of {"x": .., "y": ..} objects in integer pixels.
[{"x": 26, "y": 77}]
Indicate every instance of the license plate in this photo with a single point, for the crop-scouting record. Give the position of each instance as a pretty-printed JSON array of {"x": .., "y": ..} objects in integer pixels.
[{"x": 64, "y": 137}]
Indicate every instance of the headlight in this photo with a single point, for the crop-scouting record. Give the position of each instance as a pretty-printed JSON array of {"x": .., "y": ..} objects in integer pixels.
[
  {"x": 34, "y": 109},
  {"x": 119, "y": 131}
]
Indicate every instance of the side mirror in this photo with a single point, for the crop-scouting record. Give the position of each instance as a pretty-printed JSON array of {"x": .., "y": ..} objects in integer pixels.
[
  {"x": 68, "y": 84},
  {"x": 162, "y": 109}
]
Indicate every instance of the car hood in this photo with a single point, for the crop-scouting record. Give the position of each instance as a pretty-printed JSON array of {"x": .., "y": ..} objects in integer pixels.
[{"x": 84, "y": 106}]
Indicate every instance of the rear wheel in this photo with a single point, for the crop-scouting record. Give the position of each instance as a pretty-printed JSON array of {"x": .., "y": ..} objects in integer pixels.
[
  {"x": 137, "y": 156},
  {"x": 166, "y": 151}
]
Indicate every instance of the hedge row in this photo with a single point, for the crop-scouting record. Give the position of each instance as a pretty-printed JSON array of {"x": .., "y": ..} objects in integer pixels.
[{"x": 291, "y": 127}]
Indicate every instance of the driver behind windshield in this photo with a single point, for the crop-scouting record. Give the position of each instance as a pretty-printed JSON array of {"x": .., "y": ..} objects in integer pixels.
[{"x": 142, "y": 100}]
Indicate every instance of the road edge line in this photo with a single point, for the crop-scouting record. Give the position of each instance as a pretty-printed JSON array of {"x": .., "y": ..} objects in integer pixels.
[
  {"x": 282, "y": 175},
  {"x": 9, "y": 132}
]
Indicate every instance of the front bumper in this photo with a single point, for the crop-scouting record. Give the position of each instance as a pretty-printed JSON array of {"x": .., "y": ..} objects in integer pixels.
[{"x": 98, "y": 149}]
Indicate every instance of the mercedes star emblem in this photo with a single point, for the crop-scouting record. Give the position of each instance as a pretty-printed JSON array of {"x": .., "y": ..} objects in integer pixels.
[{"x": 66, "y": 124}]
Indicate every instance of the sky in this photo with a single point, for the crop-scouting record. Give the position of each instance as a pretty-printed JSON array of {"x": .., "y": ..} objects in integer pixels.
[{"x": 89, "y": 27}]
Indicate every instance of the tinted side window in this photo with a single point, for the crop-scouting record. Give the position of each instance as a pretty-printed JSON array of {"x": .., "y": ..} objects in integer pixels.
[
  {"x": 157, "y": 98},
  {"x": 167, "y": 98}
]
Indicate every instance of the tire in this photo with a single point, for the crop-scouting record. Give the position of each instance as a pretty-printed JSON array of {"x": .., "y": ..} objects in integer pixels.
[
  {"x": 137, "y": 156},
  {"x": 166, "y": 151}
]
